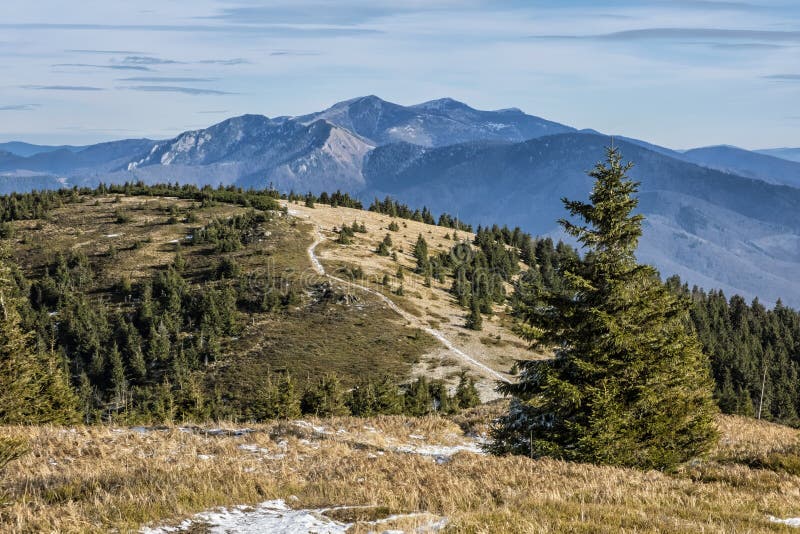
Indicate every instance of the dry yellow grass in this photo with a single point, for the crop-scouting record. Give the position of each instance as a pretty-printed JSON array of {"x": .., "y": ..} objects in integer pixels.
[
  {"x": 495, "y": 346},
  {"x": 99, "y": 478}
]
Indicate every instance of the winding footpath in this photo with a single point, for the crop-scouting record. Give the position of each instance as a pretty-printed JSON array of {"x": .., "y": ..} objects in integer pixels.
[{"x": 413, "y": 320}]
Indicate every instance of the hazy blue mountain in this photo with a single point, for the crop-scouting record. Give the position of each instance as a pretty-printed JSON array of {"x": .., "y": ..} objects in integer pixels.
[
  {"x": 712, "y": 228},
  {"x": 90, "y": 161},
  {"x": 19, "y": 148},
  {"x": 791, "y": 154},
  {"x": 435, "y": 123},
  {"x": 253, "y": 150},
  {"x": 746, "y": 163}
]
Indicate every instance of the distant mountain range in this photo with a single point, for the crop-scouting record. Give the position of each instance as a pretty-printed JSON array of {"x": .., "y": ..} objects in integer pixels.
[
  {"x": 721, "y": 217},
  {"x": 792, "y": 154}
]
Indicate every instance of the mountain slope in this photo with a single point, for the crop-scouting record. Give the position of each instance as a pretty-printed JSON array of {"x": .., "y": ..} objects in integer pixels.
[
  {"x": 791, "y": 154},
  {"x": 435, "y": 123},
  {"x": 254, "y": 151},
  {"x": 89, "y": 161},
  {"x": 746, "y": 163},
  {"x": 712, "y": 228},
  {"x": 27, "y": 149}
]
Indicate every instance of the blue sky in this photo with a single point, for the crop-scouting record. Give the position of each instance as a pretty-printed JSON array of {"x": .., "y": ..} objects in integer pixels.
[{"x": 680, "y": 73}]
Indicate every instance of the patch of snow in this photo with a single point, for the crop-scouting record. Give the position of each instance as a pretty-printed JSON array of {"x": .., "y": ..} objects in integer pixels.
[
  {"x": 416, "y": 436},
  {"x": 205, "y": 456},
  {"x": 496, "y": 126},
  {"x": 269, "y": 516},
  {"x": 791, "y": 522},
  {"x": 439, "y": 451},
  {"x": 317, "y": 429},
  {"x": 252, "y": 448},
  {"x": 109, "y": 236},
  {"x": 278, "y": 518}
]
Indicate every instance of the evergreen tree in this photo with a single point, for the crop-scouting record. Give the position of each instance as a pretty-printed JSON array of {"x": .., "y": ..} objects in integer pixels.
[
  {"x": 326, "y": 398},
  {"x": 421, "y": 255},
  {"x": 628, "y": 385},
  {"x": 418, "y": 400},
  {"x": 466, "y": 394},
  {"x": 287, "y": 399},
  {"x": 388, "y": 399},
  {"x": 474, "y": 319},
  {"x": 362, "y": 400},
  {"x": 34, "y": 387}
]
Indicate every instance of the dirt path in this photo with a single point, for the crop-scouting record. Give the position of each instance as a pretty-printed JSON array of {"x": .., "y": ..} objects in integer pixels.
[{"x": 414, "y": 321}]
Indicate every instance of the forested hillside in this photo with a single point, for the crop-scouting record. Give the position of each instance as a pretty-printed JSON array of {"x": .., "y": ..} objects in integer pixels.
[{"x": 177, "y": 302}]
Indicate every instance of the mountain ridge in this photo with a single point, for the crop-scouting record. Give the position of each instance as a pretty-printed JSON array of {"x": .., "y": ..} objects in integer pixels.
[{"x": 451, "y": 157}]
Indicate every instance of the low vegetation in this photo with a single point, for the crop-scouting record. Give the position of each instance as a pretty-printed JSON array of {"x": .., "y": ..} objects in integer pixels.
[{"x": 99, "y": 478}]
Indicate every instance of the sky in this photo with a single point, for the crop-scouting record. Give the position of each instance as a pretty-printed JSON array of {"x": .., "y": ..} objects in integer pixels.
[{"x": 679, "y": 73}]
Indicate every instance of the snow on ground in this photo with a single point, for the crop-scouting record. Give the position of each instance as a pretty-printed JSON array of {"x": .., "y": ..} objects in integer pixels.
[
  {"x": 269, "y": 516},
  {"x": 440, "y": 453},
  {"x": 792, "y": 521},
  {"x": 278, "y": 518}
]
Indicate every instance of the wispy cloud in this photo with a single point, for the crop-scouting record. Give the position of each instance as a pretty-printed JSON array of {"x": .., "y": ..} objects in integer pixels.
[
  {"x": 148, "y": 60},
  {"x": 264, "y": 30},
  {"x": 103, "y": 52},
  {"x": 20, "y": 107},
  {"x": 718, "y": 5},
  {"x": 648, "y": 34},
  {"x": 167, "y": 79},
  {"x": 111, "y": 67},
  {"x": 61, "y": 88},
  {"x": 295, "y": 53},
  {"x": 784, "y": 77},
  {"x": 176, "y": 89},
  {"x": 745, "y": 46},
  {"x": 234, "y": 61}
]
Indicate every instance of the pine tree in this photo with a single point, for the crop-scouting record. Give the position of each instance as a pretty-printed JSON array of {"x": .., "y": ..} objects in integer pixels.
[
  {"x": 418, "y": 400},
  {"x": 421, "y": 255},
  {"x": 34, "y": 386},
  {"x": 287, "y": 399},
  {"x": 362, "y": 400},
  {"x": 474, "y": 319},
  {"x": 628, "y": 385},
  {"x": 326, "y": 398},
  {"x": 466, "y": 394},
  {"x": 388, "y": 399}
]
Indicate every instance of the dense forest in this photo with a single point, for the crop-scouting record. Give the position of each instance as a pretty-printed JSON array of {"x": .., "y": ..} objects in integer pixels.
[{"x": 143, "y": 355}]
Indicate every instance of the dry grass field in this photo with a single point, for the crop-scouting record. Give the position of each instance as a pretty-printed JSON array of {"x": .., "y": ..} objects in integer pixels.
[{"x": 97, "y": 479}]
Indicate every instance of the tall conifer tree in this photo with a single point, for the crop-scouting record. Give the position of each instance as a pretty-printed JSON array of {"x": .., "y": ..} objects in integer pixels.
[
  {"x": 34, "y": 387},
  {"x": 628, "y": 384}
]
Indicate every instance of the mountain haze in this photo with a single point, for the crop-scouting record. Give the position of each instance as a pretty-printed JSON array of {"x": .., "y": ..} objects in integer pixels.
[{"x": 745, "y": 163}]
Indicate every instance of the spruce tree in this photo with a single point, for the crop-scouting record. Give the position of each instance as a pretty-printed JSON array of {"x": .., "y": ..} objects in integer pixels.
[
  {"x": 628, "y": 384},
  {"x": 466, "y": 394},
  {"x": 474, "y": 319},
  {"x": 421, "y": 255},
  {"x": 34, "y": 386}
]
